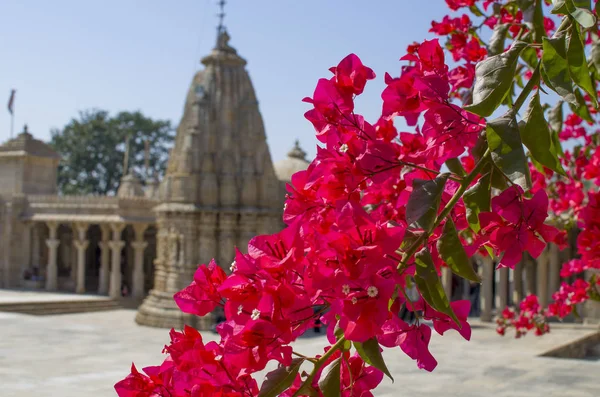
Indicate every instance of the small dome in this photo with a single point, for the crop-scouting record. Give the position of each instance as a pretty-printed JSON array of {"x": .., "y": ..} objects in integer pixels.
[
  {"x": 25, "y": 143},
  {"x": 295, "y": 161},
  {"x": 130, "y": 187}
]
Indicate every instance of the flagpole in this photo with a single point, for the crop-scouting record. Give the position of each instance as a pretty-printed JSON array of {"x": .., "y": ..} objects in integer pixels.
[{"x": 11, "y": 110}]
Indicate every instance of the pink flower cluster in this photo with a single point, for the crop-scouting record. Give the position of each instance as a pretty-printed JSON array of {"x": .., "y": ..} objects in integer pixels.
[
  {"x": 516, "y": 225},
  {"x": 531, "y": 316},
  {"x": 335, "y": 261}
]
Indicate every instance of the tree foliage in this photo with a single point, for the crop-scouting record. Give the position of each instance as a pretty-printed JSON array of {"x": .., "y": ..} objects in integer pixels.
[{"x": 93, "y": 147}]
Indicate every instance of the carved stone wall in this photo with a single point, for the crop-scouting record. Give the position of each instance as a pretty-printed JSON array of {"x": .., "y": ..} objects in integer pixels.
[{"x": 220, "y": 187}]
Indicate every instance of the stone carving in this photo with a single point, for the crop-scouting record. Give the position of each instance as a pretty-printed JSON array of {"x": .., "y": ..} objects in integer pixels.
[{"x": 213, "y": 173}]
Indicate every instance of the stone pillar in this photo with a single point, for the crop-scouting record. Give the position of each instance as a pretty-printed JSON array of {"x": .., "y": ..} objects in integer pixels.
[
  {"x": 26, "y": 264},
  {"x": 160, "y": 263},
  {"x": 104, "y": 260},
  {"x": 172, "y": 260},
  {"x": 502, "y": 289},
  {"x": 116, "y": 246},
  {"x": 35, "y": 250},
  {"x": 542, "y": 277},
  {"x": 530, "y": 275},
  {"x": 447, "y": 281},
  {"x": 81, "y": 244},
  {"x": 554, "y": 263},
  {"x": 139, "y": 245},
  {"x": 466, "y": 292},
  {"x": 227, "y": 239},
  {"x": 486, "y": 297},
  {"x": 52, "y": 268},
  {"x": 517, "y": 284}
]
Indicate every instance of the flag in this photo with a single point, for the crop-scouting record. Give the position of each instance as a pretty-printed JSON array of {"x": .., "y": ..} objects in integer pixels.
[{"x": 11, "y": 101}]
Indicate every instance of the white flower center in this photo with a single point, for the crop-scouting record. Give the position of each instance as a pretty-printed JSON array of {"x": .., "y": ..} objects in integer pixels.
[
  {"x": 233, "y": 267},
  {"x": 372, "y": 291},
  {"x": 345, "y": 289},
  {"x": 255, "y": 314},
  {"x": 240, "y": 309},
  {"x": 354, "y": 300},
  {"x": 343, "y": 148}
]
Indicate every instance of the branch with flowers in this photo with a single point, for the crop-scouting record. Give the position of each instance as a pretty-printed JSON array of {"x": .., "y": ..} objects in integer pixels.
[{"x": 379, "y": 213}]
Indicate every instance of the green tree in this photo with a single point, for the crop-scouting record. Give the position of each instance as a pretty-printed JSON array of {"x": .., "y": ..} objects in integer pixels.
[{"x": 93, "y": 148}]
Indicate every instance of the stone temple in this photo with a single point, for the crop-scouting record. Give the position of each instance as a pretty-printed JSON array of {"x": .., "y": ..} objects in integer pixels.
[{"x": 220, "y": 189}]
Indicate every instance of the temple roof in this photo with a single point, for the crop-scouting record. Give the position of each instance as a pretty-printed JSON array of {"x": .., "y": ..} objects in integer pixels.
[
  {"x": 295, "y": 161},
  {"x": 220, "y": 158},
  {"x": 26, "y": 144},
  {"x": 223, "y": 53}
]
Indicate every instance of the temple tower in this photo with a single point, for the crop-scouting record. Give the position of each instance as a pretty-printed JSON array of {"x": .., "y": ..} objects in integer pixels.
[{"x": 220, "y": 188}]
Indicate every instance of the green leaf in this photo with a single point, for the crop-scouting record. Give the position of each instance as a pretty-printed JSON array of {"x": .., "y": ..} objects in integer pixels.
[
  {"x": 583, "y": 4},
  {"x": 595, "y": 55},
  {"x": 475, "y": 10},
  {"x": 578, "y": 9},
  {"x": 505, "y": 143},
  {"x": 496, "y": 45},
  {"x": 455, "y": 166},
  {"x": 477, "y": 199},
  {"x": 539, "y": 31},
  {"x": 557, "y": 144},
  {"x": 536, "y": 136},
  {"x": 453, "y": 253},
  {"x": 493, "y": 79},
  {"x": 578, "y": 68},
  {"x": 555, "y": 117},
  {"x": 498, "y": 180},
  {"x": 529, "y": 55},
  {"x": 533, "y": 16},
  {"x": 424, "y": 201},
  {"x": 279, "y": 380},
  {"x": 370, "y": 352},
  {"x": 581, "y": 108},
  {"x": 330, "y": 384},
  {"x": 306, "y": 390},
  {"x": 430, "y": 286},
  {"x": 556, "y": 68}
]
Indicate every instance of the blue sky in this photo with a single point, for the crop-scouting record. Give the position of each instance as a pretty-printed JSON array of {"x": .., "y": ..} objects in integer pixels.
[{"x": 63, "y": 56}]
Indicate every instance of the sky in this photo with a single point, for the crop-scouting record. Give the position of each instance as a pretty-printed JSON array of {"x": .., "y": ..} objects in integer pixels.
[{"x": 66, "y": 56}]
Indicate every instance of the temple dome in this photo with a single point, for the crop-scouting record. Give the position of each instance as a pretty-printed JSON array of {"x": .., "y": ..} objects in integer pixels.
[
  {"x": 26, "y": 144},
  {"x": 130, "y": 187},
  {"x": 295, "y": 161}
]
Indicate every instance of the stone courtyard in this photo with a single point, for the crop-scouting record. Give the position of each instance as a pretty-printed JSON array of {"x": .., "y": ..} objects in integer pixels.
[{"x": 85, "y": 354}]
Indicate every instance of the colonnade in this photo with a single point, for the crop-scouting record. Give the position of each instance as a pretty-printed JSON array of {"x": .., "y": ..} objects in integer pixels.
[
  {"x": 504, "y": 287},
  {"x": 111, "y": 246}
]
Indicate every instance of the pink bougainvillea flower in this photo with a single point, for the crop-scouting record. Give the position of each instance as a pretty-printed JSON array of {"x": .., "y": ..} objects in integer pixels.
[{"x": 202, "y": 296}]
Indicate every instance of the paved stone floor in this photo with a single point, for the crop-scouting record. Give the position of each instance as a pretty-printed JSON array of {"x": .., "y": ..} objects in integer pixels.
[
  {"x": 24, "y": 296},
  {"x": 85, "y": 354}
]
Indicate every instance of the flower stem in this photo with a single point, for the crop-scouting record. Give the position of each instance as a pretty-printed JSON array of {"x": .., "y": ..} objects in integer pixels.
[
  {"x": 321, "y": 361},
  {"x": 312, "y": 360},
  {"x": 452, "y": 177},
  {"x": 464, "y": 185}
]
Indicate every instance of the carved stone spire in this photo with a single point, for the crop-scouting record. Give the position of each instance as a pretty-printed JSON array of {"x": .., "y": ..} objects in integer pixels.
[{"x": 220, "y": 184}]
